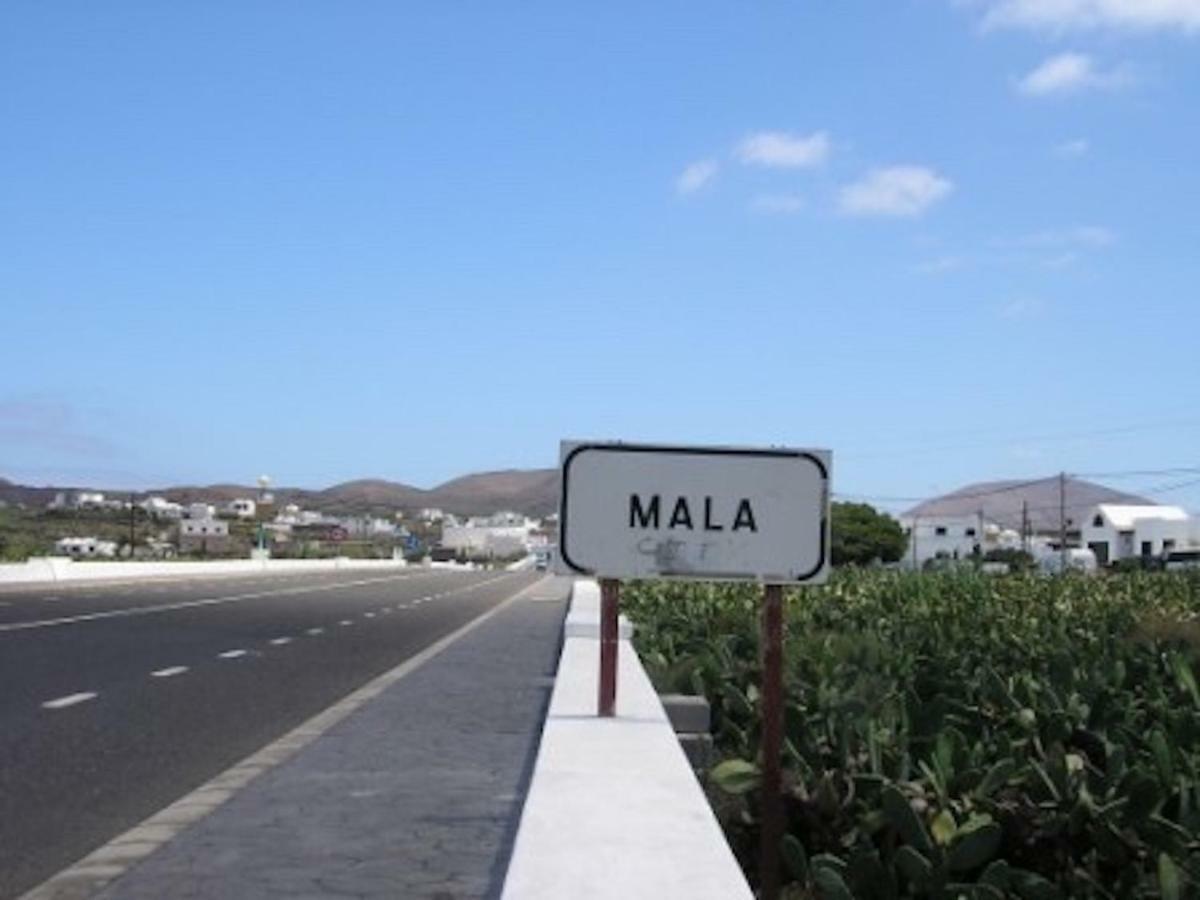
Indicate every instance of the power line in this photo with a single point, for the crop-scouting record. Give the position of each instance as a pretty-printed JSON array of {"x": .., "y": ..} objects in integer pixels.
[
  {"x": 1139, "y": 473},
  {"x": 1006, "y": 488},
  {"x": 1015, "y": 486}
]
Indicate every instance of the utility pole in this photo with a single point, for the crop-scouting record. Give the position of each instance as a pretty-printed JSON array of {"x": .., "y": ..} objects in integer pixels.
[
  {"x": 132, "y": 529},
  {"x": 979, "y": 534},
  {"x": 913, "y": 535},
  {"x": 1062, "y": 521},
  {"x": 1025, "y": 526}
]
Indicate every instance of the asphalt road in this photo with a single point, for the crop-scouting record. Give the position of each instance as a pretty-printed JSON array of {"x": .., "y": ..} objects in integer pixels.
[{"x": 115, "y": 700}]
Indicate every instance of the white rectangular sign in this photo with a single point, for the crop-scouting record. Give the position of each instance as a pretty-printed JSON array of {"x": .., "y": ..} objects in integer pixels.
[{"x": 706, "y": 513}]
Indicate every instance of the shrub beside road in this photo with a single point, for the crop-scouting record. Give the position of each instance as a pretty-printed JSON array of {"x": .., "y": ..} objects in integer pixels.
[{"x": 952, "y": 734}]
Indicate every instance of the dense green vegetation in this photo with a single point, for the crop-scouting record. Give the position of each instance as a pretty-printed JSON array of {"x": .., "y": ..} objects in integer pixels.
[
  {"x": 861, "y": 535},
  {"x": 952, "y": 734},
  {"x": 25, "y": 533}
]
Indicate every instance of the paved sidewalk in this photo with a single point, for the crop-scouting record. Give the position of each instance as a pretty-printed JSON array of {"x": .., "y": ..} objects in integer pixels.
[{"x": 417, "y": 794}]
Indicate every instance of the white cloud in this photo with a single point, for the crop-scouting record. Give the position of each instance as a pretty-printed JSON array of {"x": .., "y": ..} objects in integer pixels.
[
  {"x": 1070, "y": 73},
  {"x": 1061, "y": 260},
  {"x": 696, "y": 176},
  {"x": 894, "y": 191},
  {"x": 1072, "y": 149},
  {"x": 1077, "y": 15},
  {"x": 778, "y": 149},
  {"x": 778, "y": 204},
  {"x": 1022, "y": 308},
  {"x": 940, "y": 265}
]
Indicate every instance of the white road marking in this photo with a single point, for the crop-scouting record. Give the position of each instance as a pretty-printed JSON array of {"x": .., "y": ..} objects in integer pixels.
[
  {"x": 280, "y": 641},
  {"x": 231, "y": 654},
  {"x": 368, "y": 615},
  {"x": 102, "y": 866},
  {"x": 169, "y": 672},
  {"x": 315, "y": 631},
  {"x": 191, "y": 604},
  {"x": 69, "y": 700},
  {"x": 345, "y": 622}
]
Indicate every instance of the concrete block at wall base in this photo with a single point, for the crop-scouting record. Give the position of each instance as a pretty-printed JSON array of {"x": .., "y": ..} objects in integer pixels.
[
  {"x": 688, "y": 715},
  {"x": 698, "y": 748}
]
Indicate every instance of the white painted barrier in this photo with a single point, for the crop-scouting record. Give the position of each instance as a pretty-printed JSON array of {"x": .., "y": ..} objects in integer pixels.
[
  {"x": 57, "y": 569},
  {"x": 614, "y": 811}
]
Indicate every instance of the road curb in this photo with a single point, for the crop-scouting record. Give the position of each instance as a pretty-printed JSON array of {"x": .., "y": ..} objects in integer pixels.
[{"x": 110, "y": 861}]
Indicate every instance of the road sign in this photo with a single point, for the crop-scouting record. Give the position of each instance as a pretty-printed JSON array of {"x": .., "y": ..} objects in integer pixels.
[{"x": 705, "y": 513}]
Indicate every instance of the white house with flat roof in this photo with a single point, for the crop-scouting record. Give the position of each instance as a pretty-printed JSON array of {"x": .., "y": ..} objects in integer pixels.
[
  {"x": 84, "y": 547},
  {"x": 500, "y": 534},
  {"x": 161, "y": 508},
  {"x": 1117, "y": 531},
  {"x": 241, "y": 508}
]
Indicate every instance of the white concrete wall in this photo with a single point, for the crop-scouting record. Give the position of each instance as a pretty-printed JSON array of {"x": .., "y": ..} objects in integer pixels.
[
  {"x": 56, "y": 568},
  {"x": 614, "y": 811}
]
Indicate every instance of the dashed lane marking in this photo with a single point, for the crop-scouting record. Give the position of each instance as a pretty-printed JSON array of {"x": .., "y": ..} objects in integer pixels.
[
  {"x": 192, "y": 604},
  {"x": 280, "y": 641},
  {"x": 231, "y": 654},
  {"x": 345, "y": 622},
  {"x": 169, "y": 672},
  {"x": 100, "y": 867},
  {"x": 69, "y": 700}
]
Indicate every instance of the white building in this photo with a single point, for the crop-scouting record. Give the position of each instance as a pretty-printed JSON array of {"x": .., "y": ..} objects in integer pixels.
[
  {"x": 241, "y": 508},
  {"x": 197, "y": 528},
  {"x": 367, "y": 527},
  {"x": 501, "y": 534},
  {"x": 941, "y": 537},
  {"x": 210, "y": 534},
  {"x": 957, "y": 537},
  {"x": 160, "y": 508},
  {"x": 89, "y": 500},
  {"x": 431, "y": 514},
  {"x": 200, "y": 511},
  {"x": 1113, "y": 531},
  {"x": 84, "y": 547}
]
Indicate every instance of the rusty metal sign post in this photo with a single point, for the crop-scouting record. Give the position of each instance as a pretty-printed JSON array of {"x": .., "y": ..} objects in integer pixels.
[
  {"x": 610, "y": 612},
  {"x": 700, "y": 514},
  {"x": 771, "y": 813}
]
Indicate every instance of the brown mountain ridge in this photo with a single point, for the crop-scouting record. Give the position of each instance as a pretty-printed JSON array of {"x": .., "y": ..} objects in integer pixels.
[{"x": 533, "y": 492}]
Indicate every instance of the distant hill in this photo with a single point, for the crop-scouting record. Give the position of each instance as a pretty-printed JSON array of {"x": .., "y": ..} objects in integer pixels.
[
  {"x": 1002, "y": 501},
  {"x": 366, "y": 494},
  {"x": 30, "y": 496},
  {"x": 530, "y": 491},
  {"x": 533, "y": 492}
]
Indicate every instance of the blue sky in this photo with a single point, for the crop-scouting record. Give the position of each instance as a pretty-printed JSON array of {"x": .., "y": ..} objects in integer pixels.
[{"x": 951, "y": 240}]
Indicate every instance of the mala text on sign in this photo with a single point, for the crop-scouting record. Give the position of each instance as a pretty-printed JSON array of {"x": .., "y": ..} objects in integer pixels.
[{"x": 722, "y": 513}]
